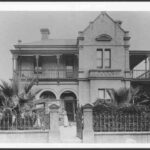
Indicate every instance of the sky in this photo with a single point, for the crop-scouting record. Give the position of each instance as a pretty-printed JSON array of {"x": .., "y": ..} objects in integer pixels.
[{"x": 26, "y": 25}]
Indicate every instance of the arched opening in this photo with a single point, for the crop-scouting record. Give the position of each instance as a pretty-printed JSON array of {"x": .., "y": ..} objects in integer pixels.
[
  {"x": 47, "y": 95},
  {"x": 69, "y": 103}
]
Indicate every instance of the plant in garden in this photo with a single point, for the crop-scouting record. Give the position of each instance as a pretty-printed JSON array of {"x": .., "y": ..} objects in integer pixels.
[
  {"x": 11, "y": 99},
  {"x": 14, "y": 105},
  {"x": 7, "y": 94},
  {"x": 120, "y": 97},
  {"x": 140, "y": 95}
]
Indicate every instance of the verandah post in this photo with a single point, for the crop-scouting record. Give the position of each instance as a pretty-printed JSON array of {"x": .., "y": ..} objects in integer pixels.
[
  {"x": 88, "y": 133},
  {"x": 54, "y": 133}
]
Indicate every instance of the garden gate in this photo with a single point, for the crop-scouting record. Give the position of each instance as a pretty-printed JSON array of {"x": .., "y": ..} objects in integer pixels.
[{"x": 79, "y": 122}]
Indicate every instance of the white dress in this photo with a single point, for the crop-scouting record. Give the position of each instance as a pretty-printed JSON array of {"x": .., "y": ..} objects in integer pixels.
[{"x": 66, "y": 123}]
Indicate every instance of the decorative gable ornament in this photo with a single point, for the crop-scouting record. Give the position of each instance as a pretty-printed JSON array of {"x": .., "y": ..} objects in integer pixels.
[{"x": 103, "y": 37}]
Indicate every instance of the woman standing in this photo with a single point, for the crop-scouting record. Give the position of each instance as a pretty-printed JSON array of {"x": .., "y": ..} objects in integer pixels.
[{"x": 66, "y": 123}]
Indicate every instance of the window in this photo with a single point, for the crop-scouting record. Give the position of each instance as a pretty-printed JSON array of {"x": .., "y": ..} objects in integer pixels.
[
  {"x": 99, "y": 58},
  {"x": 107, "y": 58},
  {"x": 103, "y": 94},
  {"x": 69, "y": 63}
]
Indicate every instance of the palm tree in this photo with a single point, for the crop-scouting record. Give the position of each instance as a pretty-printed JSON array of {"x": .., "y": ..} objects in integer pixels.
[
  {"x": 11, "y": 99},
  {"x": 13, "y": 104},
  {"x": 27, "y": 96},
  {"x": 120, "y": 97},
  {"x": 140, "y": 95},
  {"x": 127, "y": 96},
  {"x": 6, "y": 94}
]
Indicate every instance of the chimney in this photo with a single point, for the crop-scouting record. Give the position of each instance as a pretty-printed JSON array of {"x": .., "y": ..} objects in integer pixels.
[
  {"x": 45, "y": 33},
  {"x": 118, "y": 22},
  {"x": 19, "y": 41}
]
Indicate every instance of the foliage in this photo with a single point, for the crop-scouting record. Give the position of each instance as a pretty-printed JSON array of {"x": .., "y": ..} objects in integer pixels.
[
  {"x": 11, "y": 99},
  {"x": 120, "y": 97},
  {"x": 7, "y": 89},
  {"x": 141, "y": 95},
  {"x": 102, "y": 106},
  {"x": 124, "y": 100}
]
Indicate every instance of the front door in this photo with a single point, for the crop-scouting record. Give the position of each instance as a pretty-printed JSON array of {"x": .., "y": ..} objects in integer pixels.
[{"x": 69, "y": 107}]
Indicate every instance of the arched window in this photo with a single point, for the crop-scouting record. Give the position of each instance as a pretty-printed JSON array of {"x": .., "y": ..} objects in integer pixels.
[
  {"x": 68, "y": 95},
  {"x": 47, "y": 95}
]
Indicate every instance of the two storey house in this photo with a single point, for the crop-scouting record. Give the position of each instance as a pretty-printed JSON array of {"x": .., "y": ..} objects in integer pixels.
[{"x": 75, "y": 71}]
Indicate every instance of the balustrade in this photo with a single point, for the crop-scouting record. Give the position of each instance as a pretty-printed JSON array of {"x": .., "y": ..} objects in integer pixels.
[{"x": 48, "y": 74}]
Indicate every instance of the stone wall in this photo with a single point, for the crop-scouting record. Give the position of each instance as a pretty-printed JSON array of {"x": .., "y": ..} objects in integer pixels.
[{"x": 24, "y": 136}]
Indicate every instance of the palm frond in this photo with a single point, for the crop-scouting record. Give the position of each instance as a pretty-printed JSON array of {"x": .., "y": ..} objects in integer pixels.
[
  {"x": 119, "y": 97},
  {"x": 15, "y": 88},
  {"x": 28, "y": 86},
  {"x": 6, "y": 89}
]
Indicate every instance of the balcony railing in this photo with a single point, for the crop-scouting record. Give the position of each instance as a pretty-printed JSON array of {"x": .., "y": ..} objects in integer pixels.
[
  {"x": 48, "y": 74},
  {"x": 105, "y": 73},
  {"x": 140, "y": 74}
]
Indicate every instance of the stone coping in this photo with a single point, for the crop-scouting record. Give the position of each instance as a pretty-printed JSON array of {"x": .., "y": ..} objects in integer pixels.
[
  {"x": 121, "y": 133},
  {"x": 23, "y": 131}
]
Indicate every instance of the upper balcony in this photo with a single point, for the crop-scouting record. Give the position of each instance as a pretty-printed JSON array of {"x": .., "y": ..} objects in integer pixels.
[
  {"x": 47, "y": 68},
  {"x": 48, "y": 74}
]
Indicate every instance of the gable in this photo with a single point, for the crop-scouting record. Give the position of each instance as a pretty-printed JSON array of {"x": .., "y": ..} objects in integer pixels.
[{"x": 103, "y": 28}]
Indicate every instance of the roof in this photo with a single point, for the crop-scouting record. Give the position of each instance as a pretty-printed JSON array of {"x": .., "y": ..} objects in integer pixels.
[
  {"x": 50, "y": 42},
  {"x": 137, "y": 56}
]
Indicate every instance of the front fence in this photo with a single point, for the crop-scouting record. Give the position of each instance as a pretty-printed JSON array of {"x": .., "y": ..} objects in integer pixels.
[
  {"x": 10, "y": 122},
  {"x": 113, "y": 122}
]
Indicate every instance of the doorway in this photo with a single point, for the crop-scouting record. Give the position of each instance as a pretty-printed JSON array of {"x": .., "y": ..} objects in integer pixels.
[
  {"x": 70, "y": 104},
  {"x": 70, "y": 109}
]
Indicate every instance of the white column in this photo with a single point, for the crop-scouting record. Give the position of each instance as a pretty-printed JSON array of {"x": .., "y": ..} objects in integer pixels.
[
  {"x": 149, "y": 63},
  {"x": 146, "y": 64},
  {"x": 15, "y": 64},
  {"x": 58, "y": 63},
  {"x": 37, "y": 65},
  {"x": 37, "y": 61},
  {"x": 15, "y": 68}
]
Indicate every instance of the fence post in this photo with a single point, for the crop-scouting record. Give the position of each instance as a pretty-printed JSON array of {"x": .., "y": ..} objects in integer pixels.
[
  {"x": 54, "y": 133},
  {"x": 88, "y": 133}
]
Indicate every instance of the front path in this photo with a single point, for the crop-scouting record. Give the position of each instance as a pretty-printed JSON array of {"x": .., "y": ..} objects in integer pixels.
[{"x": 68, "y": 134}]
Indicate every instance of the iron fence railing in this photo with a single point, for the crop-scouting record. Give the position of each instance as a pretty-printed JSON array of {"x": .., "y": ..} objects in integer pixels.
[
  {"x": 10, "y": 122},
  {"x": 114, "y": 122}
]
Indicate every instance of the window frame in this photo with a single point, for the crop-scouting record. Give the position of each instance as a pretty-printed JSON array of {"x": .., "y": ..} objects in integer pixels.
[
  {"x": 102, "y": 89},
  {"x": 108, "y": 59},
  {"x": 100, "y": 59},
  {"x": 105, "y": 90}
]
